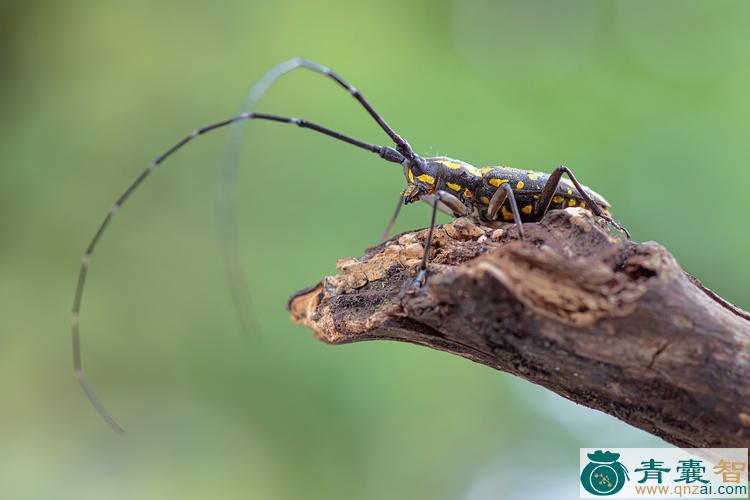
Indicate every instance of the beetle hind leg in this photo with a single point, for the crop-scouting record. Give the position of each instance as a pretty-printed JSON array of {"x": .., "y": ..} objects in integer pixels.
[
  {"x": 616, "y": 225},
  {"x": 550, "y": 187}
]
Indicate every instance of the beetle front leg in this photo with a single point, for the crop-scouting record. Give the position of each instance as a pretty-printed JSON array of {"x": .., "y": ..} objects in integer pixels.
[
  {"x": 458, "y": 208},
  {"x": 391, "y": 222}
]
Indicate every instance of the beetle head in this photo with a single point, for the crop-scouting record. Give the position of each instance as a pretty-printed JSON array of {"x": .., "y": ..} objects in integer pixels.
[{"x": 421, "y": 176}]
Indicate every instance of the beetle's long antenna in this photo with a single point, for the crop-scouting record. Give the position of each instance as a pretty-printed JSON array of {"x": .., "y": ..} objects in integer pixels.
[
  {"x": 402, "y": 146},
  {"x": 384, "y": 152},
  {"x": 227, "y": 199}
]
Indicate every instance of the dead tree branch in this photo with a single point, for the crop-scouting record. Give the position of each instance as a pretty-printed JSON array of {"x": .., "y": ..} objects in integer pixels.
[{"x": 605, "y": 322}]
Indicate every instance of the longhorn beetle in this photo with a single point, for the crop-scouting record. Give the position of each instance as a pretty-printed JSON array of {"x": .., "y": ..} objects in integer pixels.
[{"x": 488, "y": 195}]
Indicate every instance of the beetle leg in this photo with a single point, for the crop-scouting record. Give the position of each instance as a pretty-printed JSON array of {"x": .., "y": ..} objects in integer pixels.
[
  {"x": 391, "y": 222},
  {"x": 616, "y": 224},
  {"x": 497, "y": 200},
  {"x": 501, "y": 194},
  {"x": 550, "y": 187},
  {"x": 458, "y": 208}
]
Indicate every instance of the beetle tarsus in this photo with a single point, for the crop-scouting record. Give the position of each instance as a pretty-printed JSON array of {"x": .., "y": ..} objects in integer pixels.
[
  {"x": 420, "y": 280},
  {"x": 616, "y": 225}
]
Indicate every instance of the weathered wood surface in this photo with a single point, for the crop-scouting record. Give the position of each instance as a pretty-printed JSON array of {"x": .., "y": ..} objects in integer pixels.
[{"x": 603, "y": 321}]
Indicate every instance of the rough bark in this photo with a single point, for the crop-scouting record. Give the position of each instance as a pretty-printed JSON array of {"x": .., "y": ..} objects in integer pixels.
[{"x": 603, "y": 321}]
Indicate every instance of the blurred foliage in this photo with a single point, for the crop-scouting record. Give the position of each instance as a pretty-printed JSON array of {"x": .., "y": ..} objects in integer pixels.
[{"x": 646, "y": 101}]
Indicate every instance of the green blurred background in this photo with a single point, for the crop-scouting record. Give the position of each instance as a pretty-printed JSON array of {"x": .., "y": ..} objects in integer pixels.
[{"x": 646, "y": 101}]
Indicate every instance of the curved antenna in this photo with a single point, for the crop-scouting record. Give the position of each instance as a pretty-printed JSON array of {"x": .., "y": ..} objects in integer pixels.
[
  {"x": 227, "y": 196},
  {"x": 384, "y": 152},
  {"x": 226, "y": 206}
]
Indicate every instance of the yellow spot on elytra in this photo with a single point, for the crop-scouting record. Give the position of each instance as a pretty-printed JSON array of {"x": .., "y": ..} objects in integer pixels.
[
  {"x": 533, "y": 175},
  {"x": 472, "y": 170},
  {"x": 426, "y": 178},
  {"x": 468, "y": 194},
  {"x": 454, "y": 187},
  {"x": 487, "y": 169},
  {"x": 460, "y": 166},
  {"x": 536, "y": 196},
  {"x": 583, "y": 204},
  {"x": 452, "y": 164},
  {"x": 527, "y": 209},
  {"x": 570, "y": 191},
  {"x": 411, "y": 176},
  {"x": 507, "y": 214},
  {"x": 557, "y": 199},
  {"x": 571, "y": 202},
  {"x": 497, "y": 182},
  {"x": 606, "y": 212},
  {"x": 484, "y": 200},
  {"x": 519, "y": 185}
]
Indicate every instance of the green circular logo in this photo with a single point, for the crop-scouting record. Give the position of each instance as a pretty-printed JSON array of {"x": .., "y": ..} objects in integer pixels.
[{"x": 604, "y": 475}]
